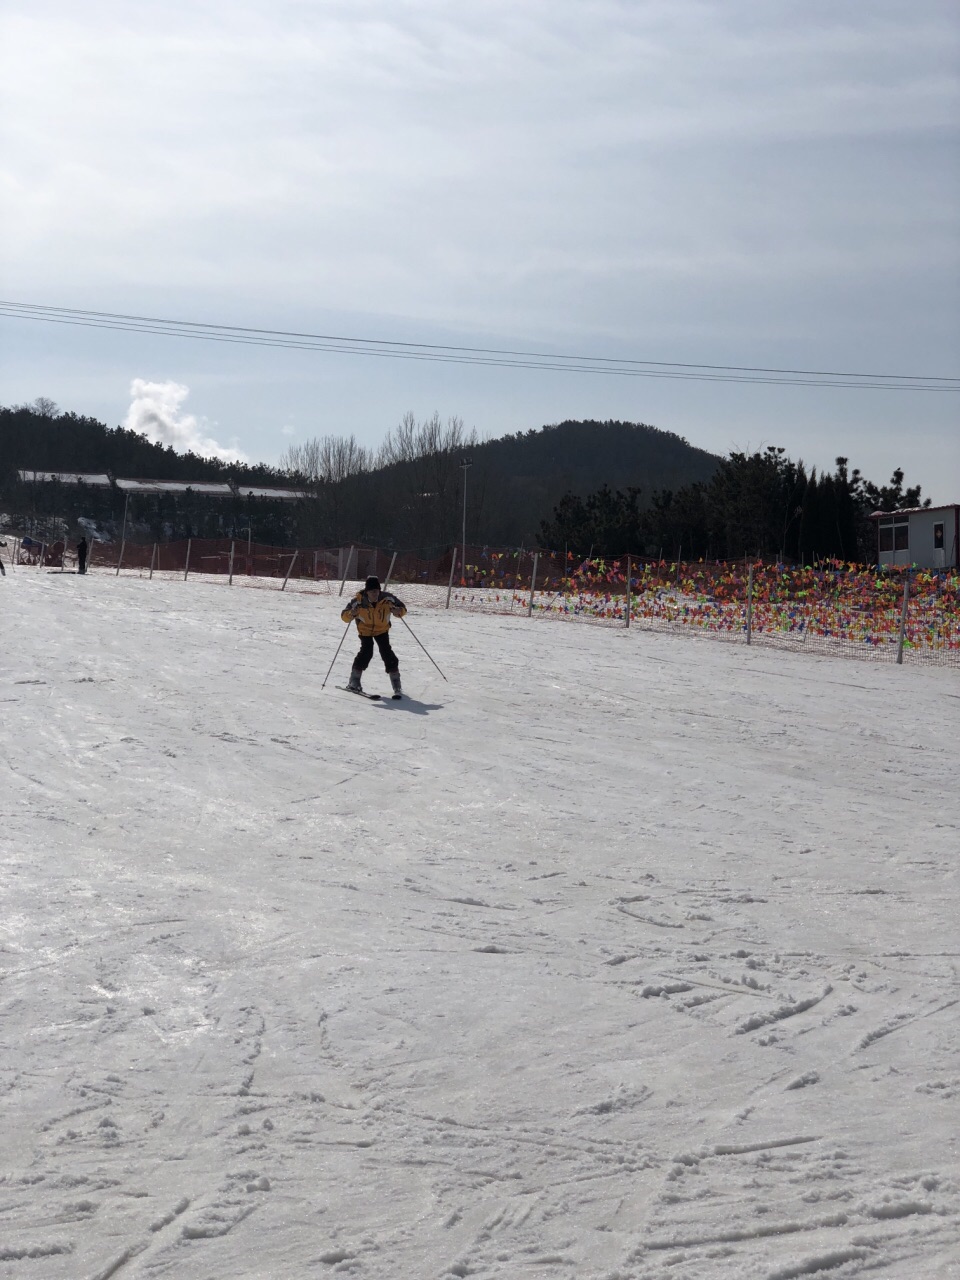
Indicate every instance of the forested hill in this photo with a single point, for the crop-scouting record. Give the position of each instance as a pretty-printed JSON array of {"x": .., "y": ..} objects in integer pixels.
[
  {"x": 548, "y": 462},
  {"x": 40, "y": 438},
  {"x": 410, "y": 491},
  {"x": 581, "y": 456},
  {"x": 519, "y": 479},
  {"x": 45, "y": 440},
  {"x": 391, "y": 496}
]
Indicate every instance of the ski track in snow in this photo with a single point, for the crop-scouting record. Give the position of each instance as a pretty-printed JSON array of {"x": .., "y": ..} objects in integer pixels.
[{"x": 616, "y": 957}]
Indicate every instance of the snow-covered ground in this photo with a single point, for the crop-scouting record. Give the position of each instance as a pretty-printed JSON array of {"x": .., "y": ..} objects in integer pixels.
[{"x": 618, "y": 955}]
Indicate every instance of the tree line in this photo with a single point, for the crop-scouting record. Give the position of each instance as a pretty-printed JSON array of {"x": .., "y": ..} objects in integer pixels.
[
  {"x": 410, "y": 493},
  {"x": 611, "y": 487},
  {"x": 760, "y": 504},
  {"x": 38, "y": 437}
]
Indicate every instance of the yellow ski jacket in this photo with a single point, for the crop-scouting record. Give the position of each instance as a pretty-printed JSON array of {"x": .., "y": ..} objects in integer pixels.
[{"x": 373, "y": 619}]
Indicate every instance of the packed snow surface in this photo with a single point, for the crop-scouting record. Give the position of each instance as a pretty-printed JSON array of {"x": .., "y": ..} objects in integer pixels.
[{"x": 616, "y": 955}]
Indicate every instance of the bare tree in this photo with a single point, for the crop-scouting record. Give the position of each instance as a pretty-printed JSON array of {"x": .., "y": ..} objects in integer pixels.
[
  {"x": 407, "y": 490},
  {"x": 338, "y": 466},
  {"x": 43, "y": 407},
  {"x": 331, "y": 459},
  {"x": 425, "y": 459},
  {"x": 400, "y": 444}
]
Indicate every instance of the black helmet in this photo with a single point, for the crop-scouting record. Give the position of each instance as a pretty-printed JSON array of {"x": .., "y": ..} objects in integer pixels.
[{"x": 372, "y": 583}]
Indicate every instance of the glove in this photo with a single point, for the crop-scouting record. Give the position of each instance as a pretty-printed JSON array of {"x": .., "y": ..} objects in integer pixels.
[{"x": 354, "y": 606}]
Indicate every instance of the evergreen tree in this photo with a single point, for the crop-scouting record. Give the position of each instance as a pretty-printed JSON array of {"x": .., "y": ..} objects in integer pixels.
[
  {"x": 758, "y": 504},
  {"x": 847, "y": 487}
]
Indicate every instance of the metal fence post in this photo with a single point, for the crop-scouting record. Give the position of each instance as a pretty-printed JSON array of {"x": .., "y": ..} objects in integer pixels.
[
  {"x": 627, "y": 623},
  {"x": 516, "y": 576},
  {"x": 293, "y": 561},
  {"x": 749, "y": 604},
  {"x": 230, "y": 579},
  {"x": 153, "y": 557},
  {"x": 386, "y": 582},
  {"x": 533, "y": 582},
  {"x": 903, "y": 618},
  {"x": 453, "y": 567},
  {"x": 187, "y": 567},
  {"x": 346, "y": 569}
]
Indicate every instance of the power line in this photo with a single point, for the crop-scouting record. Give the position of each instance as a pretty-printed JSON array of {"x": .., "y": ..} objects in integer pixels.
[{"x": 484, "y": 356}]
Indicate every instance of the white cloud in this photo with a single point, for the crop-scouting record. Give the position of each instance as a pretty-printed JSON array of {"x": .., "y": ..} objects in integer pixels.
[{"x": 156, "y": 411}]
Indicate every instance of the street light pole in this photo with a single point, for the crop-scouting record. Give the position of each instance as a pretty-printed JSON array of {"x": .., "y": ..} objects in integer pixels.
[{"x": 463, "y": 562}]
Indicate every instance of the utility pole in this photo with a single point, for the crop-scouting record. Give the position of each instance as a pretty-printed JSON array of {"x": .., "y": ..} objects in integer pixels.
[{"x": 463, "y": 561}]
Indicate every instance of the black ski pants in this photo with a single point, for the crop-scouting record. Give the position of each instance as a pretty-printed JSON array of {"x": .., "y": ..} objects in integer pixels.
[{"x": 390, "y": 659}]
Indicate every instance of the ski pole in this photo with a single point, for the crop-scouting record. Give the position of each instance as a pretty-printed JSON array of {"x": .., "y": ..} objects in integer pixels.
[
  {"x": 335, "y": 656},
  {"x": 413, "y": 633}
]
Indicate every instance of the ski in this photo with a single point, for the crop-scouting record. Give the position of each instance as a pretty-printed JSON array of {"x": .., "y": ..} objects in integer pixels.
[{"x": 371, "y": 697}]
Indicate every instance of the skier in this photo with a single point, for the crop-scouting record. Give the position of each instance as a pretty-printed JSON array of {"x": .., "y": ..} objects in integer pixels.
[
  {"x": 371, "y": 609},
  {"x": 82, "y": 556}
]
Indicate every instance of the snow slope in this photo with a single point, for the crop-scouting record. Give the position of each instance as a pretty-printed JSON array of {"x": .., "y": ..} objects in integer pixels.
[{"x": 618, "y": 955}]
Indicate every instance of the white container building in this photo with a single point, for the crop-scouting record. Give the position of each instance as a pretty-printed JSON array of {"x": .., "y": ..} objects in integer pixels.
[{"x": 928, "y": 537}]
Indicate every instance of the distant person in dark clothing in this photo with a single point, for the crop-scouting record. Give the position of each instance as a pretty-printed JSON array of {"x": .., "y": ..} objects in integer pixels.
[{"x": 82, "y": 556}]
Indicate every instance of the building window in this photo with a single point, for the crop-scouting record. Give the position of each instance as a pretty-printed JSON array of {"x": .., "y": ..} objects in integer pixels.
[
  {"x": 894, "y": 535},
  {"x": 938, "y": 536}
]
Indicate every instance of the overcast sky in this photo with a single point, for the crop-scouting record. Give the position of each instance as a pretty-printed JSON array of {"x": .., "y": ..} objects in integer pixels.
[{"x": 744, "y": 182}]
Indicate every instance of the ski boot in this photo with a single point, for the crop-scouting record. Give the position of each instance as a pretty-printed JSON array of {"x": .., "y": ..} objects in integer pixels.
[
  {"x": 395, "y": 681},
  {"x": 353, "y": 684}
]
